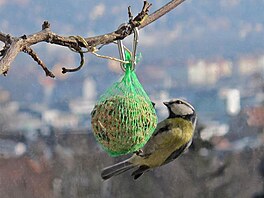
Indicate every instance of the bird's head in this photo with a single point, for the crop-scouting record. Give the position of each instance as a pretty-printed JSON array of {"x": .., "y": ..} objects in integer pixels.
[{"x": 181, "y": 108}]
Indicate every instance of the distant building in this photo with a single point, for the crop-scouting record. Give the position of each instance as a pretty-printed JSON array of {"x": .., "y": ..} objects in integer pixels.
[
  {"x": 203, "y": 72},
  {"x": 60, "y": 120},
  {"x": 233, "y": 106},
  {"x": 256, "y": 116},
  {"x": 4, "y": 96},
  {"x": 251, "y": 64},
  {"x": 11, "y": 148},
  {"x": 48, "y": 85},
  {"x": 233, "y": 100},
  {"x": 84, "y": 105},
  {"x": 89, "y": 89}
]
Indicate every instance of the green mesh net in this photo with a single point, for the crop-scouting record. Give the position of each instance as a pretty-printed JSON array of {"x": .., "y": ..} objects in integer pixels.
[{"x": 124, "y": 118}]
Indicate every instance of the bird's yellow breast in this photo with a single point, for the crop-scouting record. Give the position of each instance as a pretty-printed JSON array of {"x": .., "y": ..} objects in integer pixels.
[{"x": 164, "y": 143}]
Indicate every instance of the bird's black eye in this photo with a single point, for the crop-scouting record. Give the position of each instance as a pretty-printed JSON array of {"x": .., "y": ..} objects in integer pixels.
[{"x": 179, "y": 102}]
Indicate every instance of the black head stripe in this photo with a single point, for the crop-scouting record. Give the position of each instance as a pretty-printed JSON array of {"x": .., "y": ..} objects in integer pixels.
[{"x": 190, "y": 117}]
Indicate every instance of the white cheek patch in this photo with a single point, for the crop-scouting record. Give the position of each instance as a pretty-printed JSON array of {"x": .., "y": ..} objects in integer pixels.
[{"x": 181, "y": 109}]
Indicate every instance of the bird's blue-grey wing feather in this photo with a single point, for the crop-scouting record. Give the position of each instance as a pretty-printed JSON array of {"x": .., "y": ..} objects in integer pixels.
[
  {"x": 177, "y": 153},
  {"x": 157, "y": 139}
]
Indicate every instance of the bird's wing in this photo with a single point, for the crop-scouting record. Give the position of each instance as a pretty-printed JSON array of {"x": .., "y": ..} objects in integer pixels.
[
  {"x": 177, "y": 152},
  {"x": 140, "y": 171},
  {"x": 163, "y": 126},
  {"x": 164, "y": 136},
  {"x": 169, "y": 135}
]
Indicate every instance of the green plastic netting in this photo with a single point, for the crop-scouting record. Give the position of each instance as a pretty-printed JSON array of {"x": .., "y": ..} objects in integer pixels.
[{"x": 124, "y": 118}]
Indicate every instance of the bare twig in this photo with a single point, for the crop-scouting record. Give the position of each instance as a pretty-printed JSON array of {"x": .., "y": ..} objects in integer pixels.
[
  {"x": 2, "y": 36},
  {"x": 66, "y": 70},
  {"x": 35, "y": 57},
  {"x": 130, "y": 16},
  {"x": 14, "y": 45},
  {"x": 160, "y": 12},
  {"x": 139, "y": 19}
]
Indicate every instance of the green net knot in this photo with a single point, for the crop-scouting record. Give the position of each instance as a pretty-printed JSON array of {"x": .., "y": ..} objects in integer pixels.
[{"x": 128, "y": 59}]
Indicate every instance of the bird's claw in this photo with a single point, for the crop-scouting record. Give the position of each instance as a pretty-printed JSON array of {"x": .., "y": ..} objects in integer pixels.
[{"x": 139, "y": 152}]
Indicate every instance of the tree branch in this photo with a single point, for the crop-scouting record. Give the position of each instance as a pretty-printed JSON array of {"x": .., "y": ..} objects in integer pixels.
[
  {"x": 35, "y": 57},
  {"x": 14, "y": 45},
  {"x": 2, "y": 36},
  {"x": 160, "y": 12}
]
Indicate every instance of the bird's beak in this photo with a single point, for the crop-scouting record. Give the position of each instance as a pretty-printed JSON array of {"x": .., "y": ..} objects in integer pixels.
[{"x": 166, "y": 103}]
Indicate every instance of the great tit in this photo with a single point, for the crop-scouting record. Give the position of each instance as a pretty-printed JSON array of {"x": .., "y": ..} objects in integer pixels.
[{"x": 170, "y": 139}]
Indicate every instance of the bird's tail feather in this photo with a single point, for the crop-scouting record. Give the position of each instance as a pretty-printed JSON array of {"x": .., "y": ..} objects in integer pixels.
[{"x": 116, "y": 169}]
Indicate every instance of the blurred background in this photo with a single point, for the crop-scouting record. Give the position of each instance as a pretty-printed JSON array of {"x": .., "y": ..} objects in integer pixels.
[{"x": 208, "y": 52}]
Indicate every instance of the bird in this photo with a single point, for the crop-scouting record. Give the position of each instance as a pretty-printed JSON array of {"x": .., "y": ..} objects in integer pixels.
[{"x": 171, "y": 138}]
